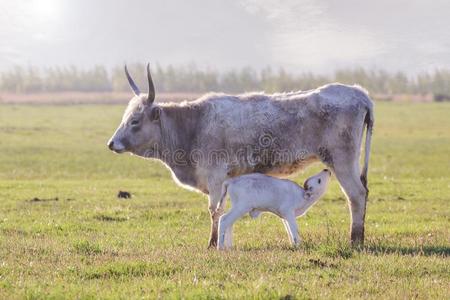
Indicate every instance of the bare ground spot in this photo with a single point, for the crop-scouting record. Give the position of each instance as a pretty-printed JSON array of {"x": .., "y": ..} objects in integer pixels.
[
  {"x": 321, "y": 264},
  {"x": 106, "y": 218},
  {"x": 37, "y": 199}
]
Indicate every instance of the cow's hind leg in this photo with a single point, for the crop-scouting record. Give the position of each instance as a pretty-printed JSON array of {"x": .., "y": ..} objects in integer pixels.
[{"x": 347, "y": 173}]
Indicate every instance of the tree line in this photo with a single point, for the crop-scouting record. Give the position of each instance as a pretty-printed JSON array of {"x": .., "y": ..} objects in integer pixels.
[{"x": 189, "y": 78}]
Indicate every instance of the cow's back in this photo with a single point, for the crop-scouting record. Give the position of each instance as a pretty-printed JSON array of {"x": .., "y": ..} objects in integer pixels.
[
  {"x": 280, "y": 133},
  {"x": 247, "y": 118}
]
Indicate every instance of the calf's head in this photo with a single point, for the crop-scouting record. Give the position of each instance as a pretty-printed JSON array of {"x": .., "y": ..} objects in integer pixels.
[
  {"x": 139, "y": 131},
  {"x": 316, "y": 185}
]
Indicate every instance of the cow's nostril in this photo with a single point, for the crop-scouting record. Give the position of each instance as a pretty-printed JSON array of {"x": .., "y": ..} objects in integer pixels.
[{"x": 110, "y": 145}]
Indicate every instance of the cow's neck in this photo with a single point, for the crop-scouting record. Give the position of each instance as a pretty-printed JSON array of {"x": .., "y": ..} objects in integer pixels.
[
  {"x": 178, "y": 127},
  {"x": 178, "y": 134}
]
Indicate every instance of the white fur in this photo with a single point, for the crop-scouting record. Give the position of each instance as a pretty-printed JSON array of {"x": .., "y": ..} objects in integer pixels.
[{"x": 256, "y": 193}]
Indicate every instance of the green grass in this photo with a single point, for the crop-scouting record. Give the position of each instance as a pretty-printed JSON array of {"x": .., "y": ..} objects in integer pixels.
[{"x": 64, "y": 234}]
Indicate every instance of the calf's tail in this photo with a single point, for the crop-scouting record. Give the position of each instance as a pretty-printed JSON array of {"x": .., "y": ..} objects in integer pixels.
[{"x": 223, "y": 195}]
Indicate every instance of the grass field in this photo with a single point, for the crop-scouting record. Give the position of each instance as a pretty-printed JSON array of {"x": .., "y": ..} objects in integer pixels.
[{"x": 64, "y": 234}]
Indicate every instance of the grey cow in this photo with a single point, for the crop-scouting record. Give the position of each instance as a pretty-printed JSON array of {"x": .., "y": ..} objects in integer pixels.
[{"x": 218, "y": 136}]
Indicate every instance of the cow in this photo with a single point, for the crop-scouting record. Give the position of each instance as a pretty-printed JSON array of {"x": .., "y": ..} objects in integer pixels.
[{"x": 218, "y": 136}]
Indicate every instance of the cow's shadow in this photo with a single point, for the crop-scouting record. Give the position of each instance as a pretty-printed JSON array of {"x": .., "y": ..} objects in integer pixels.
[
  {"x": 371, "y": 248},
  {"x": 424, "y": 250}
]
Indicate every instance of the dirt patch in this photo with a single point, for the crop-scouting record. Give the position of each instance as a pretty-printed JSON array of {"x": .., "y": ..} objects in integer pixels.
[
  {"x": 106, "y": 218},
  {"x": 321, "y": 264},
  {"x": 37, "y": 199}
]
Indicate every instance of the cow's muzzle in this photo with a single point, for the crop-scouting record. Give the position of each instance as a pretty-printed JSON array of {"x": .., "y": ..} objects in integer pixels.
[{"x": 116, "y": 147}]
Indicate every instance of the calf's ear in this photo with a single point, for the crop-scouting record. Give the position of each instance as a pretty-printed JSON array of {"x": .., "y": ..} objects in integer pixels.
[{"x": 306, "y": 186}]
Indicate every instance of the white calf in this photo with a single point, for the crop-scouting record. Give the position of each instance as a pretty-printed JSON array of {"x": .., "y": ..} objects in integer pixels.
[{"x": 256, "y": 193}]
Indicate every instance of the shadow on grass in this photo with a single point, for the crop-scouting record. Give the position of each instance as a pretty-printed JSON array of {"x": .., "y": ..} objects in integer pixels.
[
  {"x": 439, "y": 250},
  {"x": 335, "y": 250},
  {"x": 345, "y": 251}
]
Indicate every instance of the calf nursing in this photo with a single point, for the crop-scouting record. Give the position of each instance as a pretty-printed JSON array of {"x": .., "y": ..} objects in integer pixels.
[
  {"x": 256, "y": 193},
  {"x": 199, "y": 140}
]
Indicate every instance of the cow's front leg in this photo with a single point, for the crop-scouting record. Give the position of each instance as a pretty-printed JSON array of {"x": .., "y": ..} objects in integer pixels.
[{"x": 215, "y": 213}]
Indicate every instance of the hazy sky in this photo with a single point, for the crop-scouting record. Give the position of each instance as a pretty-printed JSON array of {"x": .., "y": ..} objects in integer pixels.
[{"x": 300, "y": 35}]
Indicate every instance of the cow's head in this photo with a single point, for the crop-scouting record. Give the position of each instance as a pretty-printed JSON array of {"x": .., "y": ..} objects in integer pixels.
[{"x": 139, "y": 132}]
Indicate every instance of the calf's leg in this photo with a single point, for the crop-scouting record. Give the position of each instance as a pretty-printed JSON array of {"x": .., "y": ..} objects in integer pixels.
[
  {"x": 226, "y": 224},
  {"x": 288, "y": 230},
  {"x": 293, "y": 229},
  {"x": 228, "y": 237}
]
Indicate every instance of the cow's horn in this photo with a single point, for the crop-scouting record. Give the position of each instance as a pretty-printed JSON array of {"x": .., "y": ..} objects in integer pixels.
[
  {"x": 131, "y": 82},
  {"x": 151, "y": 87}
]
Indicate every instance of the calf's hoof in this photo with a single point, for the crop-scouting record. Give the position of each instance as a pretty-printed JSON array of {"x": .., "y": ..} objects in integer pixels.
[{"x": 223, "y": 247}]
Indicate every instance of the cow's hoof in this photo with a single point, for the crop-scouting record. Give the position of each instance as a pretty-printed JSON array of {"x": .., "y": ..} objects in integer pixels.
[
  {"x": 357, "y": 243},
  {"x": 357, "y": 237}
]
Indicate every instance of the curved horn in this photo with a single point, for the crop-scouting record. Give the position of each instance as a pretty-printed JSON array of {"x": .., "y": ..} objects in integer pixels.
[
  {"x": 151, "y": 87},
  {"x": 133, "y": 85}
]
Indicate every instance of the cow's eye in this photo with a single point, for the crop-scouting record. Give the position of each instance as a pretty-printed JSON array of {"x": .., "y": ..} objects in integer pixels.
[
  {"x": 134, "y": 122},
  {"x": 319, "y": 180}
]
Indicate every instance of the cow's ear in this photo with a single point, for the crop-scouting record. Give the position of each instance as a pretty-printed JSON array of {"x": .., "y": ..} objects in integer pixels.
[{"x": 155, "y": 113}]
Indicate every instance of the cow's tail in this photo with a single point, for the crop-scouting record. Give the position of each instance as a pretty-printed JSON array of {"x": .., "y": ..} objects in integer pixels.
[
  {"x": 368, "y": 122},
  {"x": 223, "y": 194}
]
